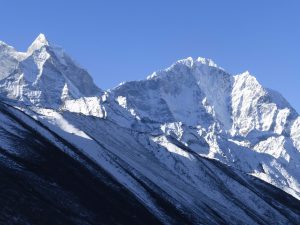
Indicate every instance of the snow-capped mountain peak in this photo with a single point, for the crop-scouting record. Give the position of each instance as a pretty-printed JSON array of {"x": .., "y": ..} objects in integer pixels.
[
  {"x": 38, "y": 43},
  {"x": 45, "y": 75},
  {"x": 196, "y": 62},
  {"x": 206, "y": 61}
]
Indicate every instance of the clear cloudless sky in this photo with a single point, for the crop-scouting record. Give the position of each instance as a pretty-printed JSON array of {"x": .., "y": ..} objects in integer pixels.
[{"x": 118, "y": 40}]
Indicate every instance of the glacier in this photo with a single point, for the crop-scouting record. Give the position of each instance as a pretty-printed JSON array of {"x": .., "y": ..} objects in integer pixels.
[{"x": 190, "y": 144}]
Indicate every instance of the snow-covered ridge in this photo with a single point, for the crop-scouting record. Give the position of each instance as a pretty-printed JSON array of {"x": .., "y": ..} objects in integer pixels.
[
  {"x": 89, "y": 106},
  {"x": 189, "y": 62}
]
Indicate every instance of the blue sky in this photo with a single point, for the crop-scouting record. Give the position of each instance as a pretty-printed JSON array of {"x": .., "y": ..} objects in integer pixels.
[{"x": 127, "y": 40}]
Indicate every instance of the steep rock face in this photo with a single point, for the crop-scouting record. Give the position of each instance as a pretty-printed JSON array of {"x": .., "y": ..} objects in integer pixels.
[
  {"x": 255, "y": 108},
  {"x": 44, "y": 75}
]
